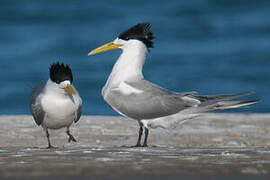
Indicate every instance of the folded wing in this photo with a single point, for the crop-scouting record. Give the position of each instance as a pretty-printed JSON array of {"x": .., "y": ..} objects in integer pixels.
[{"x": 35, "y": 105}]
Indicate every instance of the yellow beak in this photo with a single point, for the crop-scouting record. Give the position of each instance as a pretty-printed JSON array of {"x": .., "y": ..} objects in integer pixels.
[
  {"x": 105, "y": 47},
  {"x": 70, "y": 89}
]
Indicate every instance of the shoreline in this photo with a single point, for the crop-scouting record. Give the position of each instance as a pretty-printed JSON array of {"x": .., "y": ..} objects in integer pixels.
[{"x": 218, "y": 144}]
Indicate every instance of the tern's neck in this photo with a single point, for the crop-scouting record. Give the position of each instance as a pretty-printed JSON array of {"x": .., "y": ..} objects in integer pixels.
[{"x": 129, "y": 65}]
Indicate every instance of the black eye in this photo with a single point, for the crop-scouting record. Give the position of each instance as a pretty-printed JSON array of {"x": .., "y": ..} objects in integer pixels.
[
  {"x": 57, "y": 82},
  {"x": 127, "y": 38}
]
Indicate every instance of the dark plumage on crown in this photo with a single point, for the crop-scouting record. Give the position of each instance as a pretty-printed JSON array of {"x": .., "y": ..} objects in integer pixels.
[
  {"x": 60, "y": 72},
  {"x": 140, "y": 32}
]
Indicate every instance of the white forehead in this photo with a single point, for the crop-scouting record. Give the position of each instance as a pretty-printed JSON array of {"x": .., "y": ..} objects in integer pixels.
[
  {"x": 119, "y": 41},
  {"x": 64, "y": 83},
  {"x": 131, "y": 43}
]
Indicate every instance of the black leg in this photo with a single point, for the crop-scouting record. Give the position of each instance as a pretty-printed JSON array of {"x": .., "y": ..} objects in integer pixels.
[
  {"x": 48, "y": 138},
  {"x": 140, "y": 136},
  {"x": 71, "y": 138},
  {"x": 145, "y": 136}
]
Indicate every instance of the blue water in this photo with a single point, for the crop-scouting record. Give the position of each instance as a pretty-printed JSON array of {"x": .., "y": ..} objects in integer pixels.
[{"x": 211, "y": 47}]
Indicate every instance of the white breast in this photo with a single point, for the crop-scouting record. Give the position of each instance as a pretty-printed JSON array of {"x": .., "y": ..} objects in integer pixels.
[{"x": 60, "y": 110}]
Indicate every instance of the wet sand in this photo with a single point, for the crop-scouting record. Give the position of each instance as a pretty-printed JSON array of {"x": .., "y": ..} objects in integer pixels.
[{"x": 235, "y": 146}]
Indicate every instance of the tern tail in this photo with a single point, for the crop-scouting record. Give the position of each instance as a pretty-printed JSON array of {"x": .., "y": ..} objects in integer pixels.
[
  {"x": 233, "y": 104},
  {"x": 225, "y": 97},
  {"x": 220, "y": 102}
]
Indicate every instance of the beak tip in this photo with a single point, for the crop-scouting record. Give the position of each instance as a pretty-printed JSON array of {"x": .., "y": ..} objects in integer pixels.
[{"x": 90, "y": 53}]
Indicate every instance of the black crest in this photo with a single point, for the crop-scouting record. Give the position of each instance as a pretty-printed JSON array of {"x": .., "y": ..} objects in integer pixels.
[
  {"x": 60, "y": 72},
  {"x": 140, "y": 32}
]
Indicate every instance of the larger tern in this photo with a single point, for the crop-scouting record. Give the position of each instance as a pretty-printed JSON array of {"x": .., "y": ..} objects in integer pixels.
[
  {"x": 56, "y": 104},
  {"x": 128, "y": 93}
]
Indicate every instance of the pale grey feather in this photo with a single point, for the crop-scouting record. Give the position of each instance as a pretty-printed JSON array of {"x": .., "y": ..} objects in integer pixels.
[
  {"x": 153, "y": 102},
  {"x": 35, "y": 105}
]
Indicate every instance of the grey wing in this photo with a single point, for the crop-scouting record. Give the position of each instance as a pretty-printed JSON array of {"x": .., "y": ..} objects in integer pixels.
[
  {"x": 152, "y": 101},
  {"x": 150, "y": 87},
  {"x": 35, "y": 105},
  {"x": 79, "y": 113}
]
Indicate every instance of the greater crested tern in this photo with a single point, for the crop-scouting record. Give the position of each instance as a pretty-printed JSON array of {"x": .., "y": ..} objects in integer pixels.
[
  {"x": 129, "y": 94},
  {"x": 56, "y": 104}
]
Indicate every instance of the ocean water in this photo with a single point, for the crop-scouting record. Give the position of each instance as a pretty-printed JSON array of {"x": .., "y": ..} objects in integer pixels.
[{"x": 212, "y": 47}]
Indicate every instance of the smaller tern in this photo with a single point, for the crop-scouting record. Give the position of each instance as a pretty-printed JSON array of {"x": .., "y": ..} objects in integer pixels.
[
  {"x": 129, "y": 94},
  {"x": 56, "y": 104}
]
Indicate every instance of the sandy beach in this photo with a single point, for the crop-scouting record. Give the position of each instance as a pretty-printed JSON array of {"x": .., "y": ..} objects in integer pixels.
[{"x": 218, "y": 145}]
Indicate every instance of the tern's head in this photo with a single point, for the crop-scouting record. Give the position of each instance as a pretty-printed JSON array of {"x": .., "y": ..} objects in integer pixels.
[
  {"x": 61, "y": 77},
  {"x": 138, "y": 33}
]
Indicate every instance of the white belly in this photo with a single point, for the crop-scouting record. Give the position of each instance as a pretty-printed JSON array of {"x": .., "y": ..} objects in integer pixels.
[
  {"x": 60, "y": 112},
  {"x": 54, "y": 122}
]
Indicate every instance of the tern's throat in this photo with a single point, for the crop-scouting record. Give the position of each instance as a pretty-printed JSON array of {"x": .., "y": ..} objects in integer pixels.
[{"x": 129, "y": 65}]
